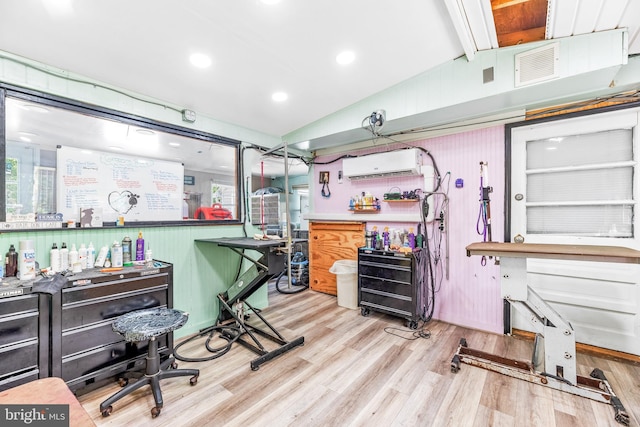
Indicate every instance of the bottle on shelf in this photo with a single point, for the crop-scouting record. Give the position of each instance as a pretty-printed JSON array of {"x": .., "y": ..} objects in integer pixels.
[
  {"x": 54, "y": 258},
  {"x": 82, "y": 256},
  {"x": 64, "y": 257},
  {"x": 26, "y": 260},
  {"x": 73, "y": 255},
  {"x": 91, "y": 255},
  {"x": 385, "y": 239},
  {"x": 126, "y": 252},
  {"x": 11, "y": 262},
  {"x": 101, "y": 258},
  {"x": 140, "y": 247},
  {"x": 411, "y": 238},
  {"x": 116, "y": 254}
]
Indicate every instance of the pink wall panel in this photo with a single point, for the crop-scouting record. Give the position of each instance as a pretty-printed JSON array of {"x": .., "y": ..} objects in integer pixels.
[{"x": 471, "y": 294}]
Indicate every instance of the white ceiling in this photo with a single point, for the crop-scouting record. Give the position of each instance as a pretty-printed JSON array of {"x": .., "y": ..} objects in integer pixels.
[{"x": 257, "y": 49}]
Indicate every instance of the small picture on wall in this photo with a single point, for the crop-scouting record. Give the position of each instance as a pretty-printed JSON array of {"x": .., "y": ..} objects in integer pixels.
[{"x": 324, "y": 177}]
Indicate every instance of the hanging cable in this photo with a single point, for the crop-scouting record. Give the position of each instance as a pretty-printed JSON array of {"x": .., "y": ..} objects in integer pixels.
[{"x": 483, "y": 224}]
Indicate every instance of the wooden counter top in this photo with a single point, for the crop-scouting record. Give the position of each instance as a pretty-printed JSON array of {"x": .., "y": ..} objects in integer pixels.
[{"x": 552, "y": 251}]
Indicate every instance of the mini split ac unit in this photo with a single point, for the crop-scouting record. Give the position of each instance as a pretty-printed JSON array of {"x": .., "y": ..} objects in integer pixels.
[{"x": 393, "y": 163}]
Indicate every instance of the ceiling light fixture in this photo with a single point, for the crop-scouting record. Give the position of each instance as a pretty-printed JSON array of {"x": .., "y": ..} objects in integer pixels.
[
  {"x": 145, "y": 132},
  {"x": 174, "y": 144},
  {"x": 279, "y": 97},
  {"x": 346, "y": 57},
  {"x": 200, "y": 60}
]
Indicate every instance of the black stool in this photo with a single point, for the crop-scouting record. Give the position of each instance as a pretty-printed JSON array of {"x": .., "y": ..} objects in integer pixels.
[{"x": 143, "y": 325}]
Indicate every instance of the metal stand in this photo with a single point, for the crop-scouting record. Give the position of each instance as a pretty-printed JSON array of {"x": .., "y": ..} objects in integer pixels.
[
  {"x": 234, "y": 300},
  {"x": 555, "y": 336}
]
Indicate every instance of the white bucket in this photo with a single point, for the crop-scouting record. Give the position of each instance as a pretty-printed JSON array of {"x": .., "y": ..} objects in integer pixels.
[{"x": 346, "y": 272}]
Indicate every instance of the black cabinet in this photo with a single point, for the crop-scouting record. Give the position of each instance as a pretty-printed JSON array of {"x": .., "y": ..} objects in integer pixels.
[
  {"x": 24, "y": 337},
  {"x": 85, "y": 351},
  {"x": 69, "y": 335},
  {"x": 389, "y": 282}
]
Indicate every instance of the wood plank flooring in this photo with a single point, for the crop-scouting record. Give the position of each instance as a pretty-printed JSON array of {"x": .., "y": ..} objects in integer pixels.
[{"x": 351, "y": 372}]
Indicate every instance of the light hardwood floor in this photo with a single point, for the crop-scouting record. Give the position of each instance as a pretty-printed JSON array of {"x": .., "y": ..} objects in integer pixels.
[{"x": 350, "y": 372}]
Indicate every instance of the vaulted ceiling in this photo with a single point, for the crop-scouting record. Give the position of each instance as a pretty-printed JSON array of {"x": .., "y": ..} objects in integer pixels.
[{"x": 257, "y": 49}]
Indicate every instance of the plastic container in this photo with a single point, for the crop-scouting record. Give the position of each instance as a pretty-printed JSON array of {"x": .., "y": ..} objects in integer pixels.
[
  {"x": 26, "y": 260},
  {"x": 346, "y": 272}
]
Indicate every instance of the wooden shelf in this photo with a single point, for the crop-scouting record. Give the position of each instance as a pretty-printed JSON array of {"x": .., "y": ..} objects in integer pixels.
[
  {"x": 364, "y": 210},
  {"x": 401, "y": 200}
]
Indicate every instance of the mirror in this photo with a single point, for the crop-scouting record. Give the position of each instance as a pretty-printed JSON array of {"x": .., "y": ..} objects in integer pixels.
[{"x": 71, "y": 160}]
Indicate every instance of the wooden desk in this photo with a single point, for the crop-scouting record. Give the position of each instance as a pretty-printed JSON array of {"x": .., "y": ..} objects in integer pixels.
[{"x": 52, "y": 390}]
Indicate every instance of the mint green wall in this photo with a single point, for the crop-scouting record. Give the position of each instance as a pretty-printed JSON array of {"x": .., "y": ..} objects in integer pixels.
[{"x": 201, "y": 271}]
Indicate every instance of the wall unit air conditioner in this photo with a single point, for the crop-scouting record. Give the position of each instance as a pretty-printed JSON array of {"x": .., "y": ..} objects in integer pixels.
[{"x": 379, "y": 165}]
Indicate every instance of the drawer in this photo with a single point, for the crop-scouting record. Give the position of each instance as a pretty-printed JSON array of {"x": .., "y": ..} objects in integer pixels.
[
  {"x": 93, "y": 311},
  {"x": 16, "y": 380},
  {"x": 389, "y": 303},
  {"x": 112, "y": 289},
  {"x": 19, "y": 327},
  {"x": 18, "y": 357},
  {"x": 384, "y": 260},
  {"x": 79, "y": 339},
  {"x": 396, "y": 274},
  {"x": 387, "y": 286},
  {"x": 96, "y": 359},
  {"x": 18, "y": 304}
]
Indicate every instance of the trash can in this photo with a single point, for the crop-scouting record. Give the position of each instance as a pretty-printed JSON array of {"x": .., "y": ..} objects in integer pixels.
[{"x": 346, "y": 272}]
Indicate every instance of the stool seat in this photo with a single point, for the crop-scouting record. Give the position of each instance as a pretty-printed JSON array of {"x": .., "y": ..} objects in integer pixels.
[{"x": 141, "y": 325}]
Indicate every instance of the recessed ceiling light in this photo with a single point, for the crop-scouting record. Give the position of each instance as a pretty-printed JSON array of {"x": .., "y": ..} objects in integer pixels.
[
  {"x": 145, "y": 132},
  {"x": 174, "y": 144},
  {"x": 200, "y": 60},
  {"x": 346, "y": 57},
  {"x": 25, "y": 139},
  {"x": 116, "y": 148},
  {"x": 279, "y": 96}
]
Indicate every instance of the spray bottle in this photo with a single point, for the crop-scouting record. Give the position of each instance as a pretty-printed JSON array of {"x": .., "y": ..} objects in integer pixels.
[{"x": 140, "y": 247}]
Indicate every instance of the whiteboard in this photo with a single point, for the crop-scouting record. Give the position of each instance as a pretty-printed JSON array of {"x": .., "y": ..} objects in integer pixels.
[{"x": 116, "y": 185}]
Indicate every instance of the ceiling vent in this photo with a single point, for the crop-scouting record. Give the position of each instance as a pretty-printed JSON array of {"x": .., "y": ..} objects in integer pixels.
[{"x": 537, "y": 65}]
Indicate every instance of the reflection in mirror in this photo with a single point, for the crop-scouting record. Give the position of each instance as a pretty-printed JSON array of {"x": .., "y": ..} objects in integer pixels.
[
  {"x": 59, "y": 161},
  {"x": 268, "y": 188}
]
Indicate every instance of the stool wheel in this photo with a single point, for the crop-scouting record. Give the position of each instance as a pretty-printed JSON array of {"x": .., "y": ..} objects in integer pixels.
[
  {"x": 106, "y": 412},
  {"x": 174, "y": 365},
  {"x": 155, "y": 411},
  {"x": 123, "y": 381},
  {"x": 193, "y": 380}
]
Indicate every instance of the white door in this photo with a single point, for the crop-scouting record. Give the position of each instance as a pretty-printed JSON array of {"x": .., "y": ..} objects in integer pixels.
[{"x": 575, "y": 181}]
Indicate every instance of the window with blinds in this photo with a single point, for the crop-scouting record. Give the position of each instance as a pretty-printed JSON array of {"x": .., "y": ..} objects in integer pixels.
[{"x": 581, "y": 185}]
